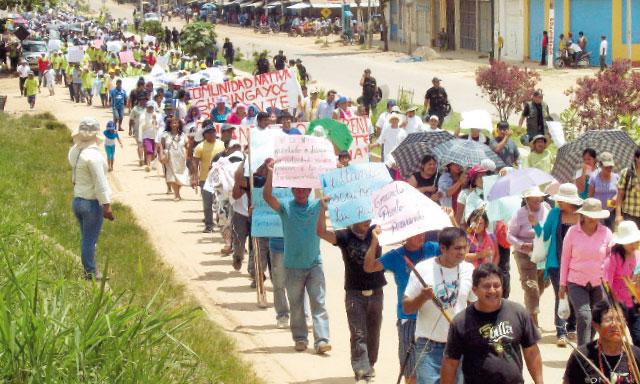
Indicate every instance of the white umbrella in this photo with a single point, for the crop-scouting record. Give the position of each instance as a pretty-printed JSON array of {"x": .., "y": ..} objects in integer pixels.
[{"x": 479, "y": 119}]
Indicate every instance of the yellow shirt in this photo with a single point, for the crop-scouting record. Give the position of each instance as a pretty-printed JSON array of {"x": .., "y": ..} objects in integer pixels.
[
  {"x": 31, "y": 86},
  {"x": 204, "y": 152}
]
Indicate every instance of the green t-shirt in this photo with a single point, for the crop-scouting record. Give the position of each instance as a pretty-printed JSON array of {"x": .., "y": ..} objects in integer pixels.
[
  {"x": 543, "y": 161},
  {"x": 87, "y": 79},
  {"x": 301, "y": 243},
  {"x": 31, "y": 86}
]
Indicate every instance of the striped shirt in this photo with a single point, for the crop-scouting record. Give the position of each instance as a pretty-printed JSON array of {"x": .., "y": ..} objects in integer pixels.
[{"x": 631, "y": 201}]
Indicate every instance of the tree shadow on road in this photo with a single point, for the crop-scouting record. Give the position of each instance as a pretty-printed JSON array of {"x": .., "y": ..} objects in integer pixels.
[
  {"x": 244, "y": 307},
  {"x": 328, "y": 380}
]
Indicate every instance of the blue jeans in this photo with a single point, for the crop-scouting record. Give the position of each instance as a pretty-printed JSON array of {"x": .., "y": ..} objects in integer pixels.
[
  {"x": 279, "y": 280},
  {"x": 429, "y": 361},
  {"x": 313, "y": 280},
  {"x": 89, "y": 215},
  {"x": 582, "y": 299}
]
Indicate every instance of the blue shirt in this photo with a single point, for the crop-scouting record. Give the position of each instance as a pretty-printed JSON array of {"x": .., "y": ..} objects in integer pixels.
[
  {"x": 301, "y": 243},
  {"x": 118, "y": 98},
  {"x": 220, "y": 117},
  {"x": 394, "y": 261}
]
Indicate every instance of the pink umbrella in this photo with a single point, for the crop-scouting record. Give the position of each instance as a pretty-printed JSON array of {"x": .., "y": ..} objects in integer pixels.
[{"x": 515, "y": 182}]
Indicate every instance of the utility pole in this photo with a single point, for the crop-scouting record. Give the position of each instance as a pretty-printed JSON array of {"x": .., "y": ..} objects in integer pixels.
[{"x": 629, "y": 43}]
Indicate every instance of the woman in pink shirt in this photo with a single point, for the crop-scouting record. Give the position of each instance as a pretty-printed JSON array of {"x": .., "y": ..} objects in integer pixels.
[
  {"x": 237, "y": 115},
  {"x": 482, "y": 245},
  {"x": 620, "y": 264},
  {"x": 584, "y": 249}
]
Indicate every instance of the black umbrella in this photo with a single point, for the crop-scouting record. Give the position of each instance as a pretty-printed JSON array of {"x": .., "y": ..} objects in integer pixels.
[
  {"x": 412, "y": 149},
  {"x": 569, "y": 156}
]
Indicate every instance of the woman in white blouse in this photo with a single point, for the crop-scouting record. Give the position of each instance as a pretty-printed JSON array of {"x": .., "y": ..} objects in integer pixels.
[{"x": 91, "y": 191}]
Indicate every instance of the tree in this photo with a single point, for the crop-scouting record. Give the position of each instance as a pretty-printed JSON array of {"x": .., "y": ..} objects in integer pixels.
[
  {"x": 153, "y": 28},
  {"x": 384, "y": 32},
  {"x": 198, "y": 38},
  {"x": 508, "y": 88},
  {"x": 608, "y": 99}
]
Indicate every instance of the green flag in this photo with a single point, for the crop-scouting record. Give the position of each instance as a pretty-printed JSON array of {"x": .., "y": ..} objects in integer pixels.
[{"x": 335, "y": 131}]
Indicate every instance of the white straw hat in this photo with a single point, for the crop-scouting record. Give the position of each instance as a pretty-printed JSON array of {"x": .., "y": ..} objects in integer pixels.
[
  {"x": 88, "y": 130},
  {"x": 627, "y": 233},
  {"x": 593, "y": 208},
  {"x": 533, "y": 192},
  {"x": 568, "y": 193}
]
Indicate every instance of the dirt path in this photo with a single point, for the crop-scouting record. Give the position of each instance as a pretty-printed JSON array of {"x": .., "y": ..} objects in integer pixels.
[{"x": 175, "y": 229}]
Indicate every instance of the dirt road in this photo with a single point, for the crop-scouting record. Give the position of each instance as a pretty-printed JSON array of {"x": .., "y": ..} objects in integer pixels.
[{"x": 175, "y": 228}]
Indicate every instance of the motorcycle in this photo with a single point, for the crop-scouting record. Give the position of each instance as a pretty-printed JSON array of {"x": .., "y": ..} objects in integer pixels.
[{"x": 566, "y": 60}]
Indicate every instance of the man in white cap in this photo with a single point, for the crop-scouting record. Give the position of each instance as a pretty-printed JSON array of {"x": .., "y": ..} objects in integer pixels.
[
  {"x": 412, "y": 123},
  {"x": 434, "y": 122},
  {"x": 91, "y": 191}
]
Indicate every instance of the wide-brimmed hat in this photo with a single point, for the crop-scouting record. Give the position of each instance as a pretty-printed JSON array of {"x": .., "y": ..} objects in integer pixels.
[
  {"x": 593, "y": 208},
  {"x": 88, "y": 131},
  {"x": 536, "y": 137},
  {"x": 395, "y": 115},
  {"x": 606, "y": 159},
  {"x": 396, "y": 109},
  {"x": 626, "y": 233},
  {"x": 568, "y": 193},
  {"x": 412, "y": 109},
  {"x": 533, "y": 192}
]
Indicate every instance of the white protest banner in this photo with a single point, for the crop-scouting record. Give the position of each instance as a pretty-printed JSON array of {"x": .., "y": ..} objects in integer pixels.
[
  {"x": 114, "y": 46},
  {"x": 359, "y": 149},
  {"x": 163, "y": 61},
  {"x": 149, "y": 39},
  {"x": 126, "y": 57},
  {"x": 75, "y": 54},
  {"x": 279, "y": 89},
  {"x": 262, "y": 144},
  {"x": 54, "y": 45},
  {"x": 402, "y": 211},
  {"x": 265, "y": 222},
  {"x": 556, "y": 132},
  {"x": 350, "y": 189},
  {"x": 300, "y": 160}
]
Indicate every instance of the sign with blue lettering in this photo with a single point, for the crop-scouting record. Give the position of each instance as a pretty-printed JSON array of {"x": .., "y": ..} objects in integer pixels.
[
  {"x": 350, "y": 189},
  {"x": 265, "y": 222}
]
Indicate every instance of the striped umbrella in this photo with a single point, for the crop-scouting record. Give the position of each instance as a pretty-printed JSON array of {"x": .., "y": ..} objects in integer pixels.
[
  {"x": 569, "y": 156},
  {"x": 412, "y": 149},
  {"x": 466, "y": 153}
]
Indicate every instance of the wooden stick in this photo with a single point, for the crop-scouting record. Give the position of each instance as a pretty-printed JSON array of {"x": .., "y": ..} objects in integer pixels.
[
  {"x": 435, "y": 300},
  {"x": 589, "y": 362}
]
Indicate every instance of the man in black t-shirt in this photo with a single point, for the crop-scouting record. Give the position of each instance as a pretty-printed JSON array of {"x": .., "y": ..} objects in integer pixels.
[
  {"x": 279, "y": 61},
  {"x": 436, "y": 101},
  {"x": 262, "y": 65},
  {"x": 364, "y": 296},
  {"x": 369, "y": 90},
  {"x": 605, "y": 353},
  {"x": 492, "y": 335}
]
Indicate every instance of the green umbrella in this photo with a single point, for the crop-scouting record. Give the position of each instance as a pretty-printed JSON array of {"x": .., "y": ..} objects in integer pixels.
[{"x": 335, "y": 131}]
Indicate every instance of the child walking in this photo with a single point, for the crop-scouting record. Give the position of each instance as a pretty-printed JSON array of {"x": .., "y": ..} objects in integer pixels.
[
  {"x": 111, "y": 135},
  {"x": 31, "y": 89},
  {"x": 48, "y": 78}
]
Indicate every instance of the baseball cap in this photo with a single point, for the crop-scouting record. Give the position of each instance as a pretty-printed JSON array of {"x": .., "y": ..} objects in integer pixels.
[
  {"x": 227, "y": 127},
  {"x": 110, "y": 125}
]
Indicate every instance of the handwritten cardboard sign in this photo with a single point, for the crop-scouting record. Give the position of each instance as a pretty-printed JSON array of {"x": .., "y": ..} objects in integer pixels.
[
  {"x": 75, "y": 54},
  {"x": 279, "y": 89},
  {"x": 54, "y": 45},
  {"x": 300, "y": 160},
  {"x": 402, "y": 211},
  {"x": 359, "y": 149},
  {"x": 126, "y": 57},
  {"x": 114, "y": 46},
  {"x": 350, "y": 189},
  {"x": 265, "y": 222}
]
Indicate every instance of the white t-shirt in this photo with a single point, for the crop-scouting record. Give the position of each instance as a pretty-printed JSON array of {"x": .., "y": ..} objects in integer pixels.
[
  {"x": 23, "y": 70},
  {"x": 604, "y": 46},
  {"x": 241, "y": 206},
  {"x": 391, "y": 138},
  {"x": 382, "y": 120},
  {"x": 454, "y": 292},
  {"x": 414, "y": 124}
]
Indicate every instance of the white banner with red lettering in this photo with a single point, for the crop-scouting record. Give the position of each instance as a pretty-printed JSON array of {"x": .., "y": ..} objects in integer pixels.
[
  {"x": 359, "y": 128},
  {"x": 279, "y": 89}
]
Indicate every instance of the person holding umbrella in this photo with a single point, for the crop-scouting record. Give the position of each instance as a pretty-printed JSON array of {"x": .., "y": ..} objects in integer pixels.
[
  {"x": 450, "y": 185},
  {"x": 426, "y": 180},
  {"x": 603, "y": 185},
  {"x": 583, "y": 175},
  {"x": 584, "y": 249},
  {"x": 504, "y": 146},
  {"x": 470, "y": 198},
  {"x": 553, "y": 230},
  {"x": 628, "y": 198}
]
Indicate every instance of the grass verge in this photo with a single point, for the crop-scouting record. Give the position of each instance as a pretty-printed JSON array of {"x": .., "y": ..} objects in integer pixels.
[{"x": 36, "y": 190}]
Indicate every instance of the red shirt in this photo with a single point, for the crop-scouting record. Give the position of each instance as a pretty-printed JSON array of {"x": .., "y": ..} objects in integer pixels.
[
  {"x": 42, "y": 64},
  {"x": 151, "y": 60},
  {"x": 545, "y": 41}
]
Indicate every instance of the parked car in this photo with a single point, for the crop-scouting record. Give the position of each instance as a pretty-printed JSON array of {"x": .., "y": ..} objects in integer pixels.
[
  {"x": 151, "y": 16},
  {"x": 31, "y": 51}
]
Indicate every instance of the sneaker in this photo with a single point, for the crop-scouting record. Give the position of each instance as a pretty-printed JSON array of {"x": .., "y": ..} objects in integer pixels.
[
  {"x": 323, "y": 347},
  {"x": 301, "y": 346},
  {"x": 371, "y": 373},
  {"x": 573, "y": 336},
  {"x": 207, "y": 230},
  {"x": 282, "y": 323},
  {"x": 561, "y": 342}
]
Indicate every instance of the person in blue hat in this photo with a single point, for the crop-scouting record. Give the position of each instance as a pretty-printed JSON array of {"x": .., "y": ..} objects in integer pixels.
[{"x": 111, "y": 135}]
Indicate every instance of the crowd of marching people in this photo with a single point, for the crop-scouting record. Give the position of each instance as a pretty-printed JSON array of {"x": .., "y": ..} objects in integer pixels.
[{"x": 456, "y": 318}]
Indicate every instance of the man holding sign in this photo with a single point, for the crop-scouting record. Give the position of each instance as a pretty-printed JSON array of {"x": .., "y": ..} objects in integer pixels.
[{"x": 303, "y": 266}]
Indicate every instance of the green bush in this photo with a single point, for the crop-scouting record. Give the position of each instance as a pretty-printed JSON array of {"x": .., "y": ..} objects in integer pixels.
[
  {"x": 153, "y": 28},
  {"x": 198, "y": 38}
]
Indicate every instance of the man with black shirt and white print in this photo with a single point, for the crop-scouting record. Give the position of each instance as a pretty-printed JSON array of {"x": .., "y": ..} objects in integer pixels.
[
  {"x": 491, "y": 336},
  {"x": 363, "y": 292},
  {"x": 448, "y": 279}
]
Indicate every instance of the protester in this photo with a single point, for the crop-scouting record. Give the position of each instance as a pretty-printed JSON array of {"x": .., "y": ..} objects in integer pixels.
[
  {"x": 436, "y": 101},
  {"x": 23, "y": 73},
  {"x": 585, "y": 247},
  {"x": 31, "y": 89},
  {"x": 135, "y": 118},
  {"x": 434, "y": 122},
  {"x": 91, "y": 191},
  {"x": 202, "y": 156},
  {"x": 606, "y": 353},
  {"x": 147, "y": 132},
  {"x": 521, "y": 236},
  {"x": 390, "y": 138},
  {"x": 554, "y": 230},
  {"x": 341, "y": 111},
  {"x": 450, "y": 184},
  {"x": 584, "y": 174},
  {"x": 426, "y": 180},
  {"x": 383, "y": 117},
  {"x": 111, "y": 135},
  {"x": 363, "y": 292},
  {"x": 174, "y": 155},
  {"x": 628, "y": 197},
  {"x": 326, "y": 107},
  {"x": 620, "y": 265},
  {"x": 540, "y": 156},
  {"x": 491, "y": 336},
  {"x": 302, "y": 264},
  {"x": 118, "y": 99},
  {"x": 471, "y": 197},
  {"x": 413, "y": 123},
  {"x": 603, "y": 185},
  {"x": 504, "y": 146},
  {"x": 416, "y": 250},
  {"x": 482, "y": 243},
  {"x": 448, "y": 279}
]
